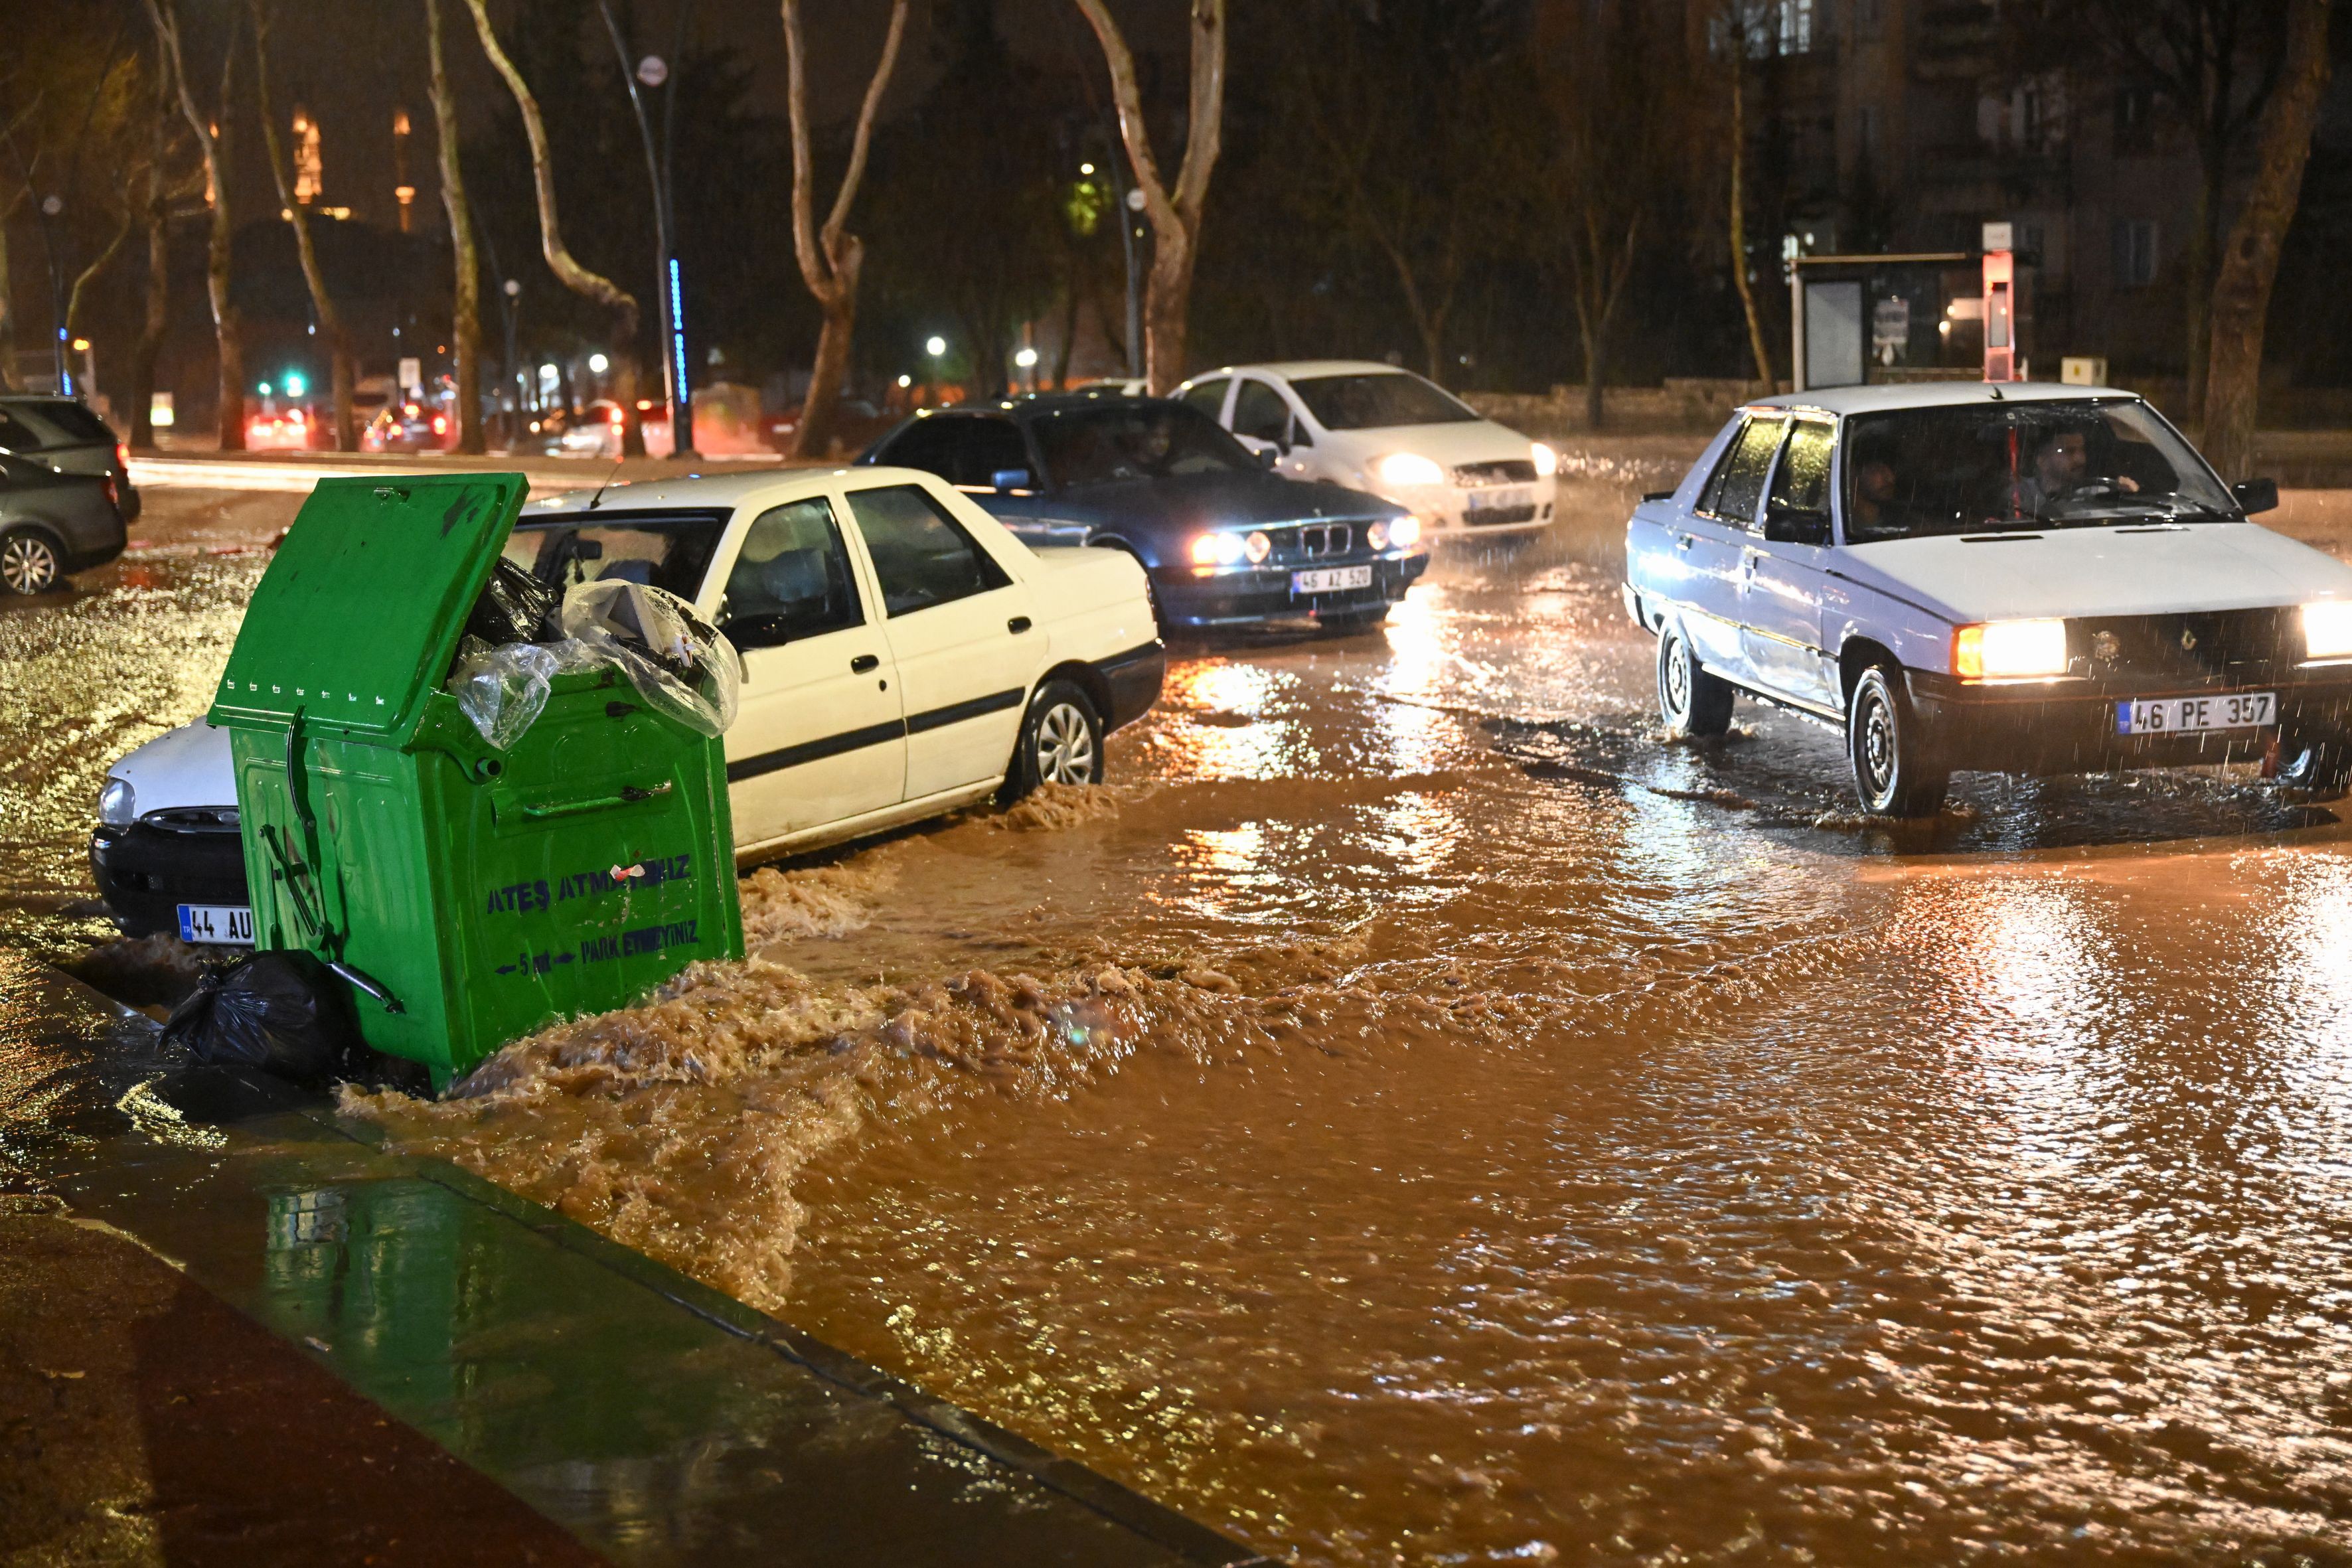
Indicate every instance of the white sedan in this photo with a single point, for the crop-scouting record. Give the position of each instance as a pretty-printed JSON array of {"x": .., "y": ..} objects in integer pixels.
[
  {"x": 903, "y": 656},
  {"x": 2030, "y": 578},
  {"x": 1375, "y": 428}
]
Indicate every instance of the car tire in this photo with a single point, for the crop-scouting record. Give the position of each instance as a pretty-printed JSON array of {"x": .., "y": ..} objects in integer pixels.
[
  {"x": 1694, "y": 703},
  {"x": 1061, "y": 741},
  {"x": 30, "y": 562},
  {"x": 1893, "y": 772}
]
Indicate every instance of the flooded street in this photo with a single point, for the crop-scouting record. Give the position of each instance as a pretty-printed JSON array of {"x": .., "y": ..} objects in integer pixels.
[{"x": 1417, "y": 1115}]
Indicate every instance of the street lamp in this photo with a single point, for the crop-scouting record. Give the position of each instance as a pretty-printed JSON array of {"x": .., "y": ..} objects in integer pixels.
[
  {"x": 651, "y": 71},
  {"x": 935, "y": 346},
  {"x": 598, "y": 365}
]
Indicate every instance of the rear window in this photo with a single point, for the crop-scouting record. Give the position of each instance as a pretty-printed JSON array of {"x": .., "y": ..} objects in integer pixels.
[
  {"x": 59, "y": 422},
  {"x": 669, "y": 552}
]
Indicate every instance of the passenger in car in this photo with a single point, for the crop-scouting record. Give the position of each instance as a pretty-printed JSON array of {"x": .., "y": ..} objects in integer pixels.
[{"x": 1874, "y": 497}]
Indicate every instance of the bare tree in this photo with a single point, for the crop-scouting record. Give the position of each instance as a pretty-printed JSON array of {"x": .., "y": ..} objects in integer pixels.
[
  {"x": 228, "y": 324},
  {"x": 1175, "y": 212},
  {"x": 589, "y": 284},
  {"x": 832, "y": 257},
  {"x": 1611, "y": 74},
  {"x": 298, "y": 216},
  {"x": 465, "y": 311},
  {"x": 155, "y": 216},
  {"x": 1739, "y": 23},
  {"x": 2242, "y": 293}
]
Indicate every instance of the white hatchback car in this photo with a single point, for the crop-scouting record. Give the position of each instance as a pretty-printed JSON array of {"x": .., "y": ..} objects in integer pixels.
[
  {"x": 1375, "y": 428},
  {"x": 2030, "y": 578},
  {"x": 902, "y": 655}
]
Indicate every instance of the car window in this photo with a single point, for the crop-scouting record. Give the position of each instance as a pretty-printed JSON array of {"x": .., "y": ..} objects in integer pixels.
[
  {"x": 923, "y": 557},
  {"x": 1378, "y": 401},
  {"x": 1209, "y": 396},
  {"x": 929, "y": 444},
  {"x": 16, "y": 436},
  {"x": 989, "y": 447},
  {"x": 1260, "y": 412},
  {"x": 1117, "y": 443},
  {"x": 1738, "y": 480},
  {"x": 665, "y": 552},
  {"x": 1801, "y": 482},
  {"x": 792, "y": 578},
  {"x": 65, "y": 422},
  {"x": 2045, "y": 463}
]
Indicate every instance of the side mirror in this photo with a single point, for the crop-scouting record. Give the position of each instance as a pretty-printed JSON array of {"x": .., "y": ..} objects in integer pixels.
[
  {"x": 2256, "y": 495},
  {"x": 1785, "y": 524},
  {"x": 1267, "y": 457},
  {"x": 1010, "y": 478}
]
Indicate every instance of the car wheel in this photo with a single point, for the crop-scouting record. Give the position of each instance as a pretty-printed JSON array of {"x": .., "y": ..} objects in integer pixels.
[
  {"x": 1061, "y": 741},
  {"x": 1891, "y": 770},
  {"x": 1692, "y": 701},
  {"x": 2314, "y": 760},
  {"x": 29, "y": 563}
]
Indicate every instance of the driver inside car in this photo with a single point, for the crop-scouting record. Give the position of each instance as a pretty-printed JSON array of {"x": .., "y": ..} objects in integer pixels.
[{"x": 2062, "y": 475}]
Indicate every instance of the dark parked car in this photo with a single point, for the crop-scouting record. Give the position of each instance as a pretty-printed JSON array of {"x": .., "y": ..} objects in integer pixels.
[
  {"x": 1224, "y": 542},
  {"x": 66, "y": 436},
  {"x": 52, "y": 524}
]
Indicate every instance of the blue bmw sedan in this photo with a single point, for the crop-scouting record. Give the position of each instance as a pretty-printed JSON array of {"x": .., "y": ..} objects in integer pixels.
[{"x": 1225, "y": 543}]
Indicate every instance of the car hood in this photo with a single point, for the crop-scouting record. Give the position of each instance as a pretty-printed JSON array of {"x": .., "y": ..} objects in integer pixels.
[
  {"x": 182, "y": 767},
  {"x": 1207, "y": 501},
  {"x": 2098, "y": 571},
  {"x": 1463, "y": 441}
]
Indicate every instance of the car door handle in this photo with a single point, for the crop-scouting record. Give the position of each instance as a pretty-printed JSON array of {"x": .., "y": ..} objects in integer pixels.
[
  {"x": 864, "y": 662},
  {"x": 1017, "y": 625},
  {"x": 1682, "y": 542}
]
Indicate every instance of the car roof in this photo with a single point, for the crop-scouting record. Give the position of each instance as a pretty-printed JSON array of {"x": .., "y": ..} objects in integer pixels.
[
  {"x": 707, "y": 491},
  {"x": 1298, "y": 369},
  {"x": 1041, "y": 402},
  {"x": 1844, "y": 400}
]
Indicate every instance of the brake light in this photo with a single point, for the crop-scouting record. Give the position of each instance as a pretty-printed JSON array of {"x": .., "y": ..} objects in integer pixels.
[
  {"x": 121, "y": 455},
  {"x": 440, "y": 425}
]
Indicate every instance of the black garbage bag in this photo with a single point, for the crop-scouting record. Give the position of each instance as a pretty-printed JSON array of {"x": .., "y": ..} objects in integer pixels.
[
  {"x": 515, "y": 606},
  {"x": 283, "y": 1012}
]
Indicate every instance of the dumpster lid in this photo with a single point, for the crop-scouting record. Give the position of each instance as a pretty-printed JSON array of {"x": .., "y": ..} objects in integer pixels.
[{"x": 357, "y": 618}]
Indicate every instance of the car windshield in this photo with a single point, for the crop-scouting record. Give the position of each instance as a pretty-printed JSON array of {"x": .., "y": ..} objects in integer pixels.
[
  {"x": 1378, "y": 401},
  {"x": 1118, "y": 444},
  {"x": 662, "y": 552},
  {"x": 1988, "y": 467}
]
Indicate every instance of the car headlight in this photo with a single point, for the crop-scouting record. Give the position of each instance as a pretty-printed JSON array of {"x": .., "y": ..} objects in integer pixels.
[
  {"x": 1217, "y": 549},
  {"x": 1377, "y": 536},
  {"x": 1408, "y": 468},
  {"x": 2327, "y": 629},
  {"x": 1547, "y": 461},
  {"x": 2009, "y": 650},
  {"x": 1405, "y": 532},
  {"x": 117, "y": 803},
  {"x": 1258, "y": 547}
]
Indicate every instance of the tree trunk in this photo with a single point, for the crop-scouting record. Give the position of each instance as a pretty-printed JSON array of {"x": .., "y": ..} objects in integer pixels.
[
  {"x": 1166, "y": 310},
  {"x": 7, "y": 311},
  {"x": 465, "y": 311},
  {"x": 2197, "y": 269},
  {"x": 814, "y": 439},
  {"x": 157, "y": 320},
  {"x": 229, "y": 323},
  {"x": 322, "y": 304},
  {"x": 1755, "y": 344},
  {"x": 2242, "y": 293}
]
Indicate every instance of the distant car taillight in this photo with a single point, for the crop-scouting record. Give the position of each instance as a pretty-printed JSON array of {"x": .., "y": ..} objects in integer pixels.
[{"x": 121, "y": 455}]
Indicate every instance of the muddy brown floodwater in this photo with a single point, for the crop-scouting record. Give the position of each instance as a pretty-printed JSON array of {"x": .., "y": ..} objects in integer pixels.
[{"x": 1415, "y": 1115}]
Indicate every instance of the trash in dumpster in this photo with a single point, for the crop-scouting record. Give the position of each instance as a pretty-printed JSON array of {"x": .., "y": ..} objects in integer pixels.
[
  {"x": 515, "y": 606},
  {"x": 282, "y": 1012},
  {"x": 469, "y": 894},
  {"x": 502, "y": 690},
  {"x": 678, "y": 661}
]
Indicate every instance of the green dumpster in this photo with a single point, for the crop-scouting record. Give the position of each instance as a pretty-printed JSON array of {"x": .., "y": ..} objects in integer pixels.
[{"x": 469, "y": 895}]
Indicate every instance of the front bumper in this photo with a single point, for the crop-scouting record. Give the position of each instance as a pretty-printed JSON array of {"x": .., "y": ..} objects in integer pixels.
[
  {"x": 2033, "y": 729},
  {"x": 145, "y": 873},
  {"x": 1450, "y": 509},
  {"x": 1134, "y": 680},
  {"x": 1257, "y": 595}
]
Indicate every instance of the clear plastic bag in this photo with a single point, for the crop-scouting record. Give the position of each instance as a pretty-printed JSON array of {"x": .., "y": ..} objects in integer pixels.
[
  {"x": 678, "y": 661},
  {"x": 503, "y": 689}
]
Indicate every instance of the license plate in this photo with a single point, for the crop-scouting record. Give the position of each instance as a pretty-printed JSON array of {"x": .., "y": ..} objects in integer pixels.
[
  {"x": 225, "y": 924},
  {"x": 1331, "y": 580},
  {"x": 2189, "y": 715},
  {"x": 1498, "y": 501}
]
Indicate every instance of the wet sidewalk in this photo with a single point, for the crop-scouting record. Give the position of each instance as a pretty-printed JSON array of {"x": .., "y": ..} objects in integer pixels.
[{"x": 231, "y": 1331}]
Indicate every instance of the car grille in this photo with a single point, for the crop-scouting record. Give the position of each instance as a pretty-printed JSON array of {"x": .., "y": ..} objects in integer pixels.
[
  {"x": 193, "y": 819},
  {"x": 1509, "y": 471},
  {"x": 2219, "y": 648},
  {"x": 1314, "y": 541},
  {"x": 1488, "y": 516}
]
